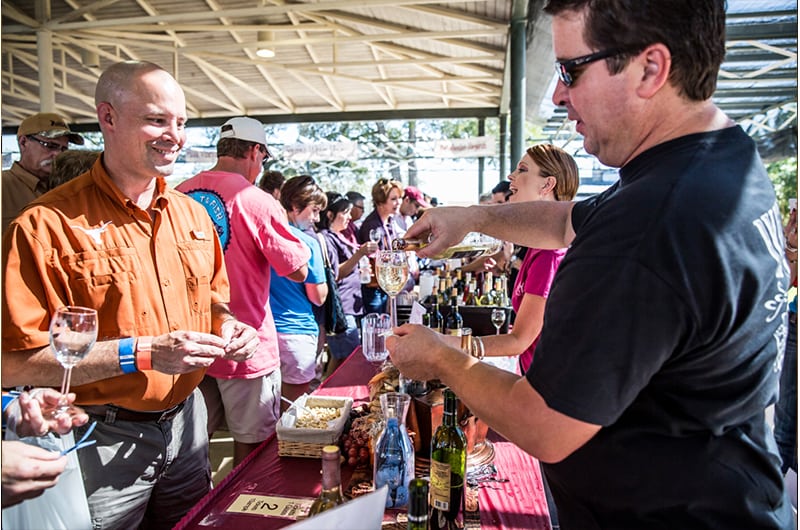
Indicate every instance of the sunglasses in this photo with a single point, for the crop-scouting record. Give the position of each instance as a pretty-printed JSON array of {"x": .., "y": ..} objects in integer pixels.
[
  {"x": 264, "y": 151},
  {"x": 50, "y": 146},
  {"x": 567, "y": 69}
]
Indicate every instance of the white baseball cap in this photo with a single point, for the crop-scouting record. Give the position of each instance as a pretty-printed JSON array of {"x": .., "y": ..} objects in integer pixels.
[{"x": 244, "y": 128}]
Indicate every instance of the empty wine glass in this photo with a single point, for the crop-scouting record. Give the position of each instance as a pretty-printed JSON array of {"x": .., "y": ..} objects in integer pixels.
[
  {"x": 498, "y": 318},
  {"x": 375, "y": 235},
  {"x": 73, "y": 332}
]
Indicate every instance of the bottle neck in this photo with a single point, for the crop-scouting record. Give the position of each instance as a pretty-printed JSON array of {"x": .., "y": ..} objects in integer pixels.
[{"x": 331, "y": 475}]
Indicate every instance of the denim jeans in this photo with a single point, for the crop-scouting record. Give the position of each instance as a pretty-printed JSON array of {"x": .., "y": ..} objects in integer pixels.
[
  {"x": 786, "y": 407},
  {"x": 343, "y": 344},
  {"x": 374, "y": 300}
]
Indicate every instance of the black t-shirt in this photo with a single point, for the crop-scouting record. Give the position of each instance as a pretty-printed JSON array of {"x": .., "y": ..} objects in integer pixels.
[{"x": 664, "y": 324}]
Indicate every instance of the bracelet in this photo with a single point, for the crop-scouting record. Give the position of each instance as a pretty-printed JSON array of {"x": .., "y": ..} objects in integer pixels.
[
  {"x": 144, "y": 349},
  {"x": 790, "y": 248},
  {"x": 127, "y": 360},
  {"x": 477, "y": 348}
]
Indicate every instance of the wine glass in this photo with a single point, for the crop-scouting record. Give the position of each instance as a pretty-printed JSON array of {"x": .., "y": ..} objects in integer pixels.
[
  {"x": 498, "y": 318},
  {"x": 392, "y": 269},
  {"x": 73, "y": 332},
  {"x": 375, "y": 235}
]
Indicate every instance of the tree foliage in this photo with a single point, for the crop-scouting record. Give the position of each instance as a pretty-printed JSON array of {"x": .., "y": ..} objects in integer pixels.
[{"x": 783, "y": 174}]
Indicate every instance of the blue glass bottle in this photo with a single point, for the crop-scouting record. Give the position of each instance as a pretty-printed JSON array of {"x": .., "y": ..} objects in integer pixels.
[{"x": 394, "y": 458}]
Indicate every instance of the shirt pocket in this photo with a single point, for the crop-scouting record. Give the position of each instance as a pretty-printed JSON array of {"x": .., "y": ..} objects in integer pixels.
[
  {"x": 197, "y": 258},
  {"x": 106, "y": 279}
]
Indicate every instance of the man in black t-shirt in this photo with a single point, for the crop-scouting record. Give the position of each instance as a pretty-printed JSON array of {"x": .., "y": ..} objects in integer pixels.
[{"x": 666, "y": 322}]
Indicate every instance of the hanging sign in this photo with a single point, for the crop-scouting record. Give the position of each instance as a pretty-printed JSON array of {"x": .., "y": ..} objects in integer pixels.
[
  {"x": 465, "y": 147},
  {"x": 319, "y": 151}
]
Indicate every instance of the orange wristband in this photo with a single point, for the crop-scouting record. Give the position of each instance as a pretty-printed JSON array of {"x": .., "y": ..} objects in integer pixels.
[{"x": 144, "y": 347}]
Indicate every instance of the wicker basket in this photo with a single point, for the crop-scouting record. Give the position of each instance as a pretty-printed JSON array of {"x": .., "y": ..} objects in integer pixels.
[{"x": 308, "y": 443}]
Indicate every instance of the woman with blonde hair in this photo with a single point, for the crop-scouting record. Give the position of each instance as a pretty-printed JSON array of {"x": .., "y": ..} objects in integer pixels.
[{"x": 545, "y": 173}]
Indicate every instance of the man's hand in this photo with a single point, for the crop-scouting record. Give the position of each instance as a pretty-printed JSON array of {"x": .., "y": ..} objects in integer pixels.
[
  {"x": 28, "y": 470},
  {"x": 180, "y": 352},
  {"x": 241, "y": 339},
  {"x": 446, "y": 224},
  {"x": 29, "y": 414},
  {"x": 415, "y": 351}
]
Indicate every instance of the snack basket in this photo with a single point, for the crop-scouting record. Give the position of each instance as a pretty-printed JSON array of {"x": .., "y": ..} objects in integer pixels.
[{"x": 308, "y": 442}]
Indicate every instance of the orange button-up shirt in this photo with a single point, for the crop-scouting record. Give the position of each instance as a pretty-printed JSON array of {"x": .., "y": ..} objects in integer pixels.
[
  {"x": 20, "y": 188},
  {"x": 87, "y": 244}
]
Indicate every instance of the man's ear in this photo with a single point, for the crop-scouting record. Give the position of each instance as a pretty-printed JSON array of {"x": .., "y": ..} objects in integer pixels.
[
  {"x": 105, "y": 113},
  {"x": 657, "y": 61}
]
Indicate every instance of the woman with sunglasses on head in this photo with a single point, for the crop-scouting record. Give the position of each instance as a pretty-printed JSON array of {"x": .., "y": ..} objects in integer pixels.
[
  {"x": 344, "y": 257},
  {"x": 381, "y": 226},
  {"x": 291, "y": 302}
]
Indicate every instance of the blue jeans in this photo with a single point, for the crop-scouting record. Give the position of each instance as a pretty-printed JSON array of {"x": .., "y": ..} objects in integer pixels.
[
  {"x": 374, "y": 300},
  {"x": 786, "y": 407},
  {"x": 343, "y": 344}
]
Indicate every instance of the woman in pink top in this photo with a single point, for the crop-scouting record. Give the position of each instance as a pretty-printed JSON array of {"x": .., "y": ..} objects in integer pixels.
[{"x": 545, "y": 173}]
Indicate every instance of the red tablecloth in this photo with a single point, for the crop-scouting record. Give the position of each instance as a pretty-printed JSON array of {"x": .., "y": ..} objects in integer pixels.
[{"x": 519, "y": 503}]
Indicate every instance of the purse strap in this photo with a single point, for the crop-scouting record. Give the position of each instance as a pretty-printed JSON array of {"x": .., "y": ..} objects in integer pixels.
[{"x": 324, "y": 247}]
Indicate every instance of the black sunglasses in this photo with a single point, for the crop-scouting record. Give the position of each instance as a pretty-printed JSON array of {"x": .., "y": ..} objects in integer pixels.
[
  {"x": 50, "y": 146},
  {"x": 566, "y": 69}
]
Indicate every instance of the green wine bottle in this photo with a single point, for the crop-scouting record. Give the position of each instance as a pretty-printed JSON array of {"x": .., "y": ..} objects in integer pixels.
[
  {"x": 454, "y": 321},
  {"x": 448, "y": 467},
  {"x": 418, "y": 504},
  {"x": 331, "y": 494}
]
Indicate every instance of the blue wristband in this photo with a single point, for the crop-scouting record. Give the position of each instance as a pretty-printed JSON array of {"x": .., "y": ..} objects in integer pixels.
[{"x": 127, "y": 358}]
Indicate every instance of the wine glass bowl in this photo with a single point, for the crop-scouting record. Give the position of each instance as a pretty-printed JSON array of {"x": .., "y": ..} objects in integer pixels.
[
  {"x": 498, "y": 318},
  {"x": 73, "y": 332}
]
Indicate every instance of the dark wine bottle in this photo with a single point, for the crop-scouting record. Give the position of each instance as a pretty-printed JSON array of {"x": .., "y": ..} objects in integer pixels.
[
  {"x": 331, "y": 494},
  {"x": 448, "y": 467},
  {"x": 454, "y": 321},
  {"x": 418, "y": 505},
  {"x": 436, "y": 319}
]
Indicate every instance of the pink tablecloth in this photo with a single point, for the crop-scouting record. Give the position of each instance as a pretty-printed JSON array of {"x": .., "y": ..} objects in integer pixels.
[{"x": 519, "y": 503}]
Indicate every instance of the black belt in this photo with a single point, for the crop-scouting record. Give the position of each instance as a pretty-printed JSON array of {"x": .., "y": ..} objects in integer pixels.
[{"x": 111, "y": 413}]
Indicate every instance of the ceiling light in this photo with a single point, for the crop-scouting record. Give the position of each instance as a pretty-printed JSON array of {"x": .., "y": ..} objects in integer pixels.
[{"x": 265, "y": 37}]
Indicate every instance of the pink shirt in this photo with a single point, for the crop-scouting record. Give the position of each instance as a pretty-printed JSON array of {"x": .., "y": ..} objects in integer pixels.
[
  {"x": 254, "y": 232},
  {"x": 535, "y": 276}
]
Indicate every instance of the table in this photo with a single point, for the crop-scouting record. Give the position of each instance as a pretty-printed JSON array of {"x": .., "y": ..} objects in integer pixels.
[{"x": 519, "y": 503}]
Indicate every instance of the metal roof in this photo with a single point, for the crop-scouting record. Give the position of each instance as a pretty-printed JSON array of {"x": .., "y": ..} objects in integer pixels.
[{"x": 348, "y": 59}]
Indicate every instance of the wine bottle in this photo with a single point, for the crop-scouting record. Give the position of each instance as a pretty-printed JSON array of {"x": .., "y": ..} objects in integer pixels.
[
  {"x": 418, "y": 504},
  {"x": 448, "y": 467},
  {"x": 436, "y": 319},
  {"x": 331, "y": 494},
  {"x": 454, "y": 321},
  {"x": 474, "y": 245}
]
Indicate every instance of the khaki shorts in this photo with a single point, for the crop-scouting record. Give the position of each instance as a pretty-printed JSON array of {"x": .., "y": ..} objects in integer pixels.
[
  {"x": 298, "y": 357},
  {"x": 250, "y": 407}
]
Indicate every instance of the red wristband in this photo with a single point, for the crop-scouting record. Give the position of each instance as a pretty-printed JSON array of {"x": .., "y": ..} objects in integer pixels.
[{"x": 144, "y": 347}]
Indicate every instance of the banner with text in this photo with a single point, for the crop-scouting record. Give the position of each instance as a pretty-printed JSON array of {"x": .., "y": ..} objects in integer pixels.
[
  {"x": 319, "y": 151},
  {"x": 465, "y": 147}
]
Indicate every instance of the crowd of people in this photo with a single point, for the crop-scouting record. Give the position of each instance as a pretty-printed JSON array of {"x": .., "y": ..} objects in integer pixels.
[{"x": 651, "y": 319}]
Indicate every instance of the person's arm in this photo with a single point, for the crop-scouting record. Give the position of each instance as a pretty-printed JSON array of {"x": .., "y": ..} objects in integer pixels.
[
  {"x": 317, "y": 293},
  {"x": 347, "y": 267},
  {"x": 539, "y": 224},
  {"x": 300, "y": 274},
  {"x": 28, "y": 470},
  {"x": 176, "y": 352},
  {"x": 527, "y": 326},
  {"x": 546, "y": 434},
  {"x": 790, "y": 235}
]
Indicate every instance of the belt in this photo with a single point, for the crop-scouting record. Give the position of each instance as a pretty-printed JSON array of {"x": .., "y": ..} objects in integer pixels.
[{"x": 111, "y": 413}]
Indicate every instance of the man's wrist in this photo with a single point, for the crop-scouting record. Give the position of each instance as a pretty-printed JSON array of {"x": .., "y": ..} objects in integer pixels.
[
  {"x": 144, "y": 349},
  {"x": 127, "y": 357}
]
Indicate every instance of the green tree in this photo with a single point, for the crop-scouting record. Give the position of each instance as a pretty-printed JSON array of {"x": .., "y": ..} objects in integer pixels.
[{"x": 783, "y": 174}]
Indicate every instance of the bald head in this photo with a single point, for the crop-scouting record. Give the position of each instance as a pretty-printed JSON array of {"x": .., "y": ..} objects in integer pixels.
[{"x": 115, "y": 81}]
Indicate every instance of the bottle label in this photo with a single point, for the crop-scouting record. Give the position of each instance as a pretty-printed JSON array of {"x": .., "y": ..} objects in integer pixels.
[
  {"x": 456, "y": 332},
  {"x": 440, "y": 485}
]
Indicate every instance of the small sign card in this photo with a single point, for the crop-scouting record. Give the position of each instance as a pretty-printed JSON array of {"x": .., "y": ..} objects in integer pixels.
[{"x": 272, "y": 506}]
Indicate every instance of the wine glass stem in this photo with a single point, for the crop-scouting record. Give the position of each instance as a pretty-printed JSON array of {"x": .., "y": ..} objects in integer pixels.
[
  {"x": 65, "y": 385},
  {"x": 393, "y": 311}
]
